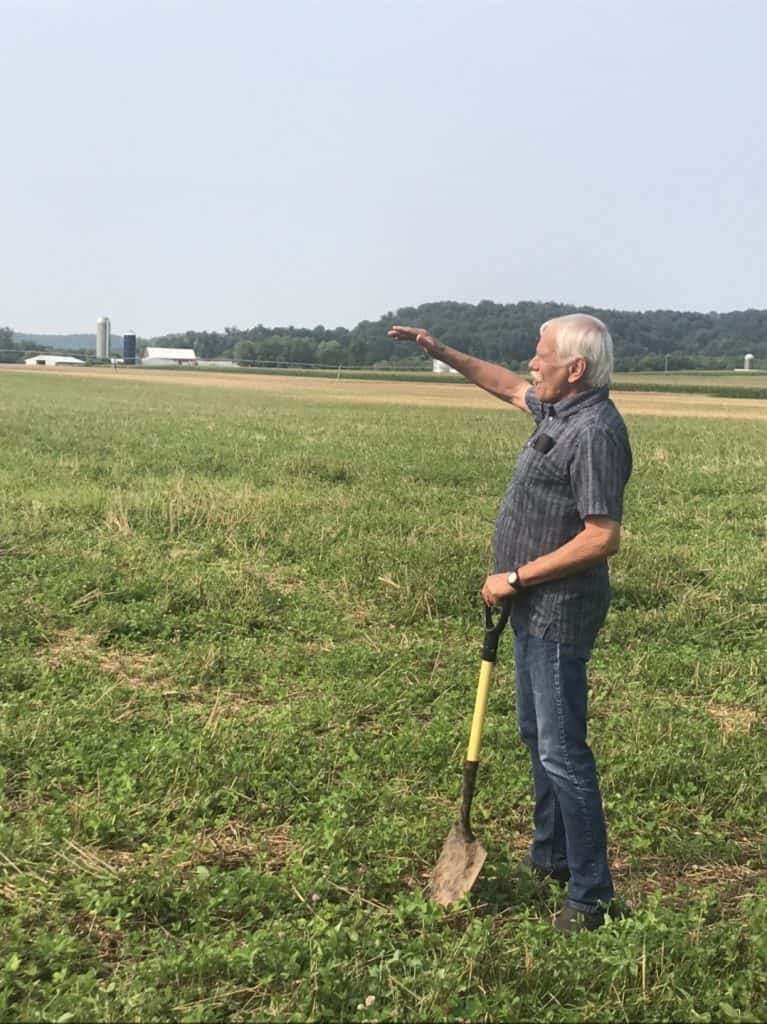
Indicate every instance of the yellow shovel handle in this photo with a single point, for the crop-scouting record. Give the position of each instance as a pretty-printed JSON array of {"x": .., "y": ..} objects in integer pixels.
[{"x": 480, "y": 706}]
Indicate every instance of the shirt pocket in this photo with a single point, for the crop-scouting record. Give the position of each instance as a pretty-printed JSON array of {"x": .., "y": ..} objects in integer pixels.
[{"x": 543, "y": 469}]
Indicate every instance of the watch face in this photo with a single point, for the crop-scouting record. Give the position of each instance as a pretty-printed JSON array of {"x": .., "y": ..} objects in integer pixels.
[{"x": 513, "y": 579}]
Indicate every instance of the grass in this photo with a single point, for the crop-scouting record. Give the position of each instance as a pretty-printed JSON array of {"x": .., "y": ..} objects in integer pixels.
[
  {"x": 718, "y": 385},
  {"x": 240, "y": 636}
]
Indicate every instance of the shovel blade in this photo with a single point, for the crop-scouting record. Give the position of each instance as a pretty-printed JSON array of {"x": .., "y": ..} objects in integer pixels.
[{"x": 458, "y": 867}]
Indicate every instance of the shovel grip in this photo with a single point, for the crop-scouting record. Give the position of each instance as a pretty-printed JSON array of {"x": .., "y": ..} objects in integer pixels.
[{"x": 493, "y": 630}]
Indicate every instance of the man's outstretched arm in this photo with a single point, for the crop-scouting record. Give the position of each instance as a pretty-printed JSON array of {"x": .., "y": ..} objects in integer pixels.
[{"x": 502, "y": 383}]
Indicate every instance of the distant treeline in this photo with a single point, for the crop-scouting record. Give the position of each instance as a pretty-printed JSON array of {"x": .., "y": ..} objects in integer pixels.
[
  {"x": 504, "y": 333},
  {"x": 81, "y": 342},
  {"x": 14, "y": 347},
  {"x": 500, "y": 333}
]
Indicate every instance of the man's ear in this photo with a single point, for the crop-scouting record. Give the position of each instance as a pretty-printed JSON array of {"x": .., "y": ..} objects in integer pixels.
[{"x": 577, "y": 370}]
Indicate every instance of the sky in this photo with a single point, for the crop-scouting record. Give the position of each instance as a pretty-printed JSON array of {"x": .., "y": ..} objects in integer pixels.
[{"x": 193, "y": 165}]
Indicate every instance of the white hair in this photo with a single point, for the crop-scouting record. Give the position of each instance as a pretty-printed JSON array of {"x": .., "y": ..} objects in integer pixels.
[{"x": 579, "y": 334}]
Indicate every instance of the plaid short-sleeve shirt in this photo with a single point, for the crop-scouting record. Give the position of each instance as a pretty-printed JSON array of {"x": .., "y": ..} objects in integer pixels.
[{"x": 575, "y": 464}]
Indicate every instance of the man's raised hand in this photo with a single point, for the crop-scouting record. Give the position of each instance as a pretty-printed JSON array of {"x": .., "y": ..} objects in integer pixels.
[{"x": 414, "y": 334}]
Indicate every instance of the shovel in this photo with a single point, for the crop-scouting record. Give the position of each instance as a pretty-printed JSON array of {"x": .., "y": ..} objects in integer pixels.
[{"x": 462, "y": 856}]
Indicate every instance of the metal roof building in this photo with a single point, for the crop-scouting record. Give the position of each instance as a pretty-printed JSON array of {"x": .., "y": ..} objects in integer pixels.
[
  {"x": 48, "y": 360},
  {"x": 155, "y": 356}
]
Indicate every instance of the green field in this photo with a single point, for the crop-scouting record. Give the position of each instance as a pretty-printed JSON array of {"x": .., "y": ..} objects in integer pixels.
[
  {"x": 725, "y": 385},
  {"x": 704, "y": 378},
  {"x": 240, "y": 637}
]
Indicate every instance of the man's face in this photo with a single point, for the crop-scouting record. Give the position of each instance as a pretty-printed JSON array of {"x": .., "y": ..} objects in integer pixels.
[{"x": 550, "y": 376}]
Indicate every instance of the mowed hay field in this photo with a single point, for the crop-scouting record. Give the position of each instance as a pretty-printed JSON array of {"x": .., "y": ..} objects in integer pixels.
[
  {"x": 240, "y": 635},
  {"x": 441, "y": 392}
]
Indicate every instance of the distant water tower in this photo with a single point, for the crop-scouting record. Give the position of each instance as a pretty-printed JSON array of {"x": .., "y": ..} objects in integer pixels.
[
  {"x": 748, "y": 362},
  {"x": 129, "y": 349},
  {"x": 103, "y": 337}
]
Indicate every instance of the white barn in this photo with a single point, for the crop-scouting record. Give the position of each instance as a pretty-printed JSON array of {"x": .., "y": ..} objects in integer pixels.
[
  {"x": 439, "y": 367},
  {"x": 155, "y": 356},
  {"x": 48, "y": 360}
]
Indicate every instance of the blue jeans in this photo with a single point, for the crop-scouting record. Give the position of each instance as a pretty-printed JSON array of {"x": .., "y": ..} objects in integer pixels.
[{"x": 552, "y": 701}]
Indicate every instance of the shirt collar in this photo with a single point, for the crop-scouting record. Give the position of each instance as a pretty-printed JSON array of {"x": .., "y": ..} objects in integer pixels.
[{"x": 575, "y": 403}]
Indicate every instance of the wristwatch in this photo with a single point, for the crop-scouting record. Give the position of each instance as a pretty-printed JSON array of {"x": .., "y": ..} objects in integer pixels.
[{"x": 514, "y": 581}]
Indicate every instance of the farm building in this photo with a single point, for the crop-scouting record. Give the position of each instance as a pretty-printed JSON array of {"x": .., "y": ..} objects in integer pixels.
[
  {"x": 154, "y": 356},
  {"x": 46, "y": 360},
  {"x": 439, "y": 367}
]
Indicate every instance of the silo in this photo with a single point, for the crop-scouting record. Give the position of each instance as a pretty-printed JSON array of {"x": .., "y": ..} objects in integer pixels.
[
  {"x": 129, "y": 349},
  {"x": 103, "y": 336},
  {"x": 748, "y": 362}
]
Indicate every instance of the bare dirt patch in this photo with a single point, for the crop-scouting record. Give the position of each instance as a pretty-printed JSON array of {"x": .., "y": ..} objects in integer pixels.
[
  {"x": 445, "y": 395},
  {"x": 238, "y": 844},
  {"x": 733, "y": 720},
  {"x": 234, "y": 845},
  {"x": 676, "y": 881},
  {"x": 97, "y": 929},
  {"x": 132, "y": 669}
]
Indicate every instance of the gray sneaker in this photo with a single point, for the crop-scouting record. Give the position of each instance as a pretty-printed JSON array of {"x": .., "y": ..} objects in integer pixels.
[
  {"x": 569, "y": 920},
  {"x": 560, "y": 875}
]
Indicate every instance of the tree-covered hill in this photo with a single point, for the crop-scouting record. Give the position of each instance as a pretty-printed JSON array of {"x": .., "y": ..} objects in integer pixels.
[
  {"x": 15, "y": 345},
  {"x": 75, "y": 342},
  {"x": 505, "y": 333}
]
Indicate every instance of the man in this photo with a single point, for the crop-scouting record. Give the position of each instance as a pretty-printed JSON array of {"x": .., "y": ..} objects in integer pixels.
[{"x": 558, "y": 523}]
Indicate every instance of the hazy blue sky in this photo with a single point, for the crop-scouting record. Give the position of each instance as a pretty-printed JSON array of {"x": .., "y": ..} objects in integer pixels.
[{"x": 184, "y": 165}]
